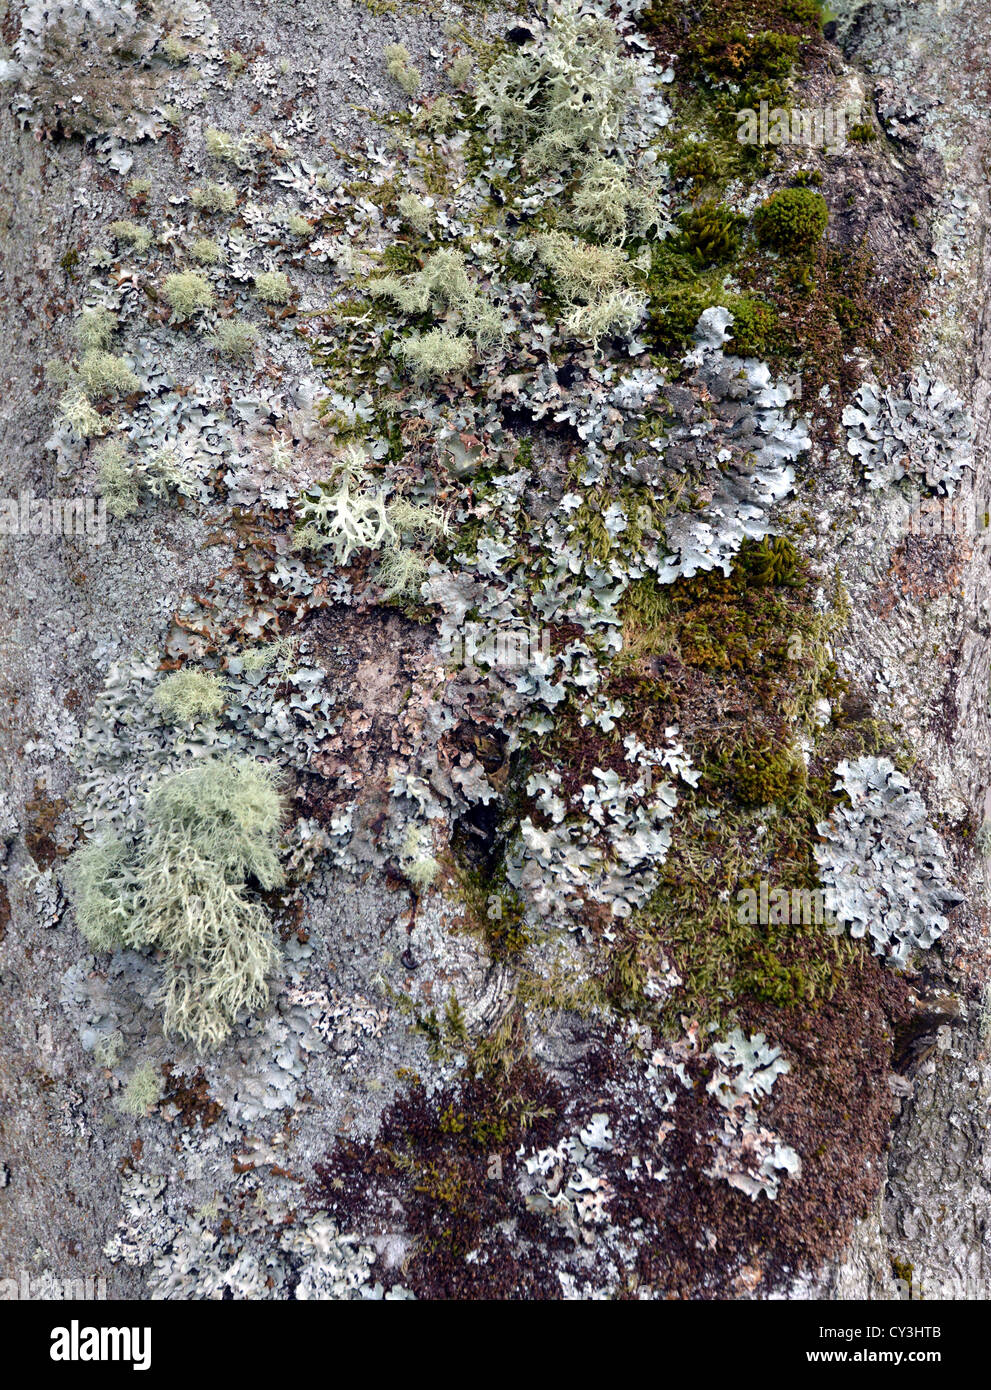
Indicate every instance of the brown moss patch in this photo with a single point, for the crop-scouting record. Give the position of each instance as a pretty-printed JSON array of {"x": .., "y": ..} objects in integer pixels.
[
  {"x": 43, "y": 813},
  {"x": 191, "y": 1097},
  {"x": 447, "y": 1162}
]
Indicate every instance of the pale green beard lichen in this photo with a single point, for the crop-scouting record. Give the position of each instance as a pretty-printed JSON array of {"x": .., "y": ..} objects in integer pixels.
[
  {"x": 182, "y": 887},
  {"x": 142, "y": 1091},
  {"x": 594, "y": 283},
  {"x": 187, "y": 293},
  {"x": 94, "y": 328},
  {"x": 233, "y": 338},
  {"x": 415, "y": 519},
  {"x": 121, "y": 477},
  {"x": 416, "y": 212},
  {"x": 205, "y": 251},
  {"x": 272, "y": 287},
  {"x": 443, "y": 287},
  {"x": 398, "y": 66},
  {"x": 220, "y": 145},
  {"x": 436, "y": 353},
  {"x": 76, "y": 410},
  {"x": 564, "y": 96},
  {"x": 117, "y": 479},
  {"x": 214, "y": 197},
  {"x": 103, "y": 374},
  {"x": 611, "y": 205},
  {"x": 416, "y": 861},
  {"x": 137, "y": 237},
  {"x": 188, "y": 695},
  {"x": 299, "y": 226},
  {"x": 401, "y": 574},
  {"x": 109, "y": 1049}
]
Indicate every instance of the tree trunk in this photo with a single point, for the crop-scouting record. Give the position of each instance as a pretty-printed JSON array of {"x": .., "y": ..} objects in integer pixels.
[{"x": 452, "y": 1060}]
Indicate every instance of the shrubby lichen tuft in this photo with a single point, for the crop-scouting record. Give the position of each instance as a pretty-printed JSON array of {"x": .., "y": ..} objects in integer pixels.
[
  {"x": 272, "y": 287},
  {"x": 118, "y": 479},
  {"x": 183, "y": 887},
  {"x": 437, "y": 353},
  {"x": 187, "y": 293},
  {"x": 143, "y": 1090},
  {"x": 214, "y": 197},
  {"x": 94, "y": 328},
  {"x": 233, "y": 338},
  {"x": 189, "y": 695},
  {"x": 137, "y": 237},
  {"x": 399, "y": 67}
]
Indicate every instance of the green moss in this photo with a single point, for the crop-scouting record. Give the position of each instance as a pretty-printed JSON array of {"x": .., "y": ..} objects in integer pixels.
[
  {"x": 790, "y": 15},
  {"x": 740, "y": 57},
  {"x": 757, "y": 330},
  {"x": 694, "y": 159},
  {"x": 774, "y": 561},
  {"x": 861, "y": 133},
  {"x": 709, "y": 234},
  {"x": 673, "y": 313},
  {"x": 792, "y": 222},
  {"x": 757, "y": 771},
  {"x": 494, "y": 908},
  {"x": 695, "y": 918}
]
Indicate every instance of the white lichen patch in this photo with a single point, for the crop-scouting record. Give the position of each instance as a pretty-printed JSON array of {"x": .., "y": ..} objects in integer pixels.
[
  {"x": 921, "y": 430},
  {"x": 884, "y": 868}
]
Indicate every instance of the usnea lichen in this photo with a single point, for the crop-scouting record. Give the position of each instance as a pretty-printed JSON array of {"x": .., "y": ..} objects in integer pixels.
[
  {"x": 187, "y": 695},
  {"x": 187, "y": 293},
  {"x": 182, "y": 887}
]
